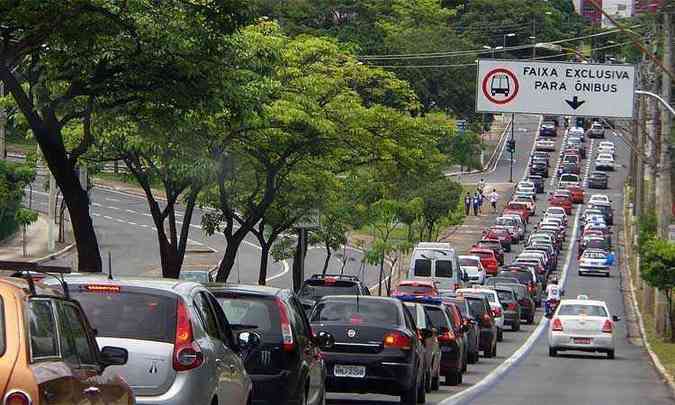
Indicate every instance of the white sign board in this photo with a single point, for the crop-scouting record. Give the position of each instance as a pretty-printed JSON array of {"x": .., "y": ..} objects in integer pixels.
[{"x": 556, "y": 88}]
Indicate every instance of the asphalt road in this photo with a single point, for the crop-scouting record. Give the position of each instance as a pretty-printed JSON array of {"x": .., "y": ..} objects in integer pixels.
[{"x": 579, "y": 378}]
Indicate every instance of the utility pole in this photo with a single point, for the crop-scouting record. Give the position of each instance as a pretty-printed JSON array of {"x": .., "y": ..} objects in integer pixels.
[
  {"x": 51, "y": 243},
  {"x": 513, "y": 142},
  {"x": 663, "y": 187},
  {"x": 3, "y": 126}
]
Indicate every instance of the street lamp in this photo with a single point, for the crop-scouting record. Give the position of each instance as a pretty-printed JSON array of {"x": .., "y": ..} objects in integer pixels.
[
  {"x": 510, "y": 35},
  {"x": 534, "y": 47},
  {"x": 493, "y": 49}
]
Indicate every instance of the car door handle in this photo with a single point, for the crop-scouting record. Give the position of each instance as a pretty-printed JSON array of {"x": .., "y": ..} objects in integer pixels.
[{"x": 90, "y": 391}]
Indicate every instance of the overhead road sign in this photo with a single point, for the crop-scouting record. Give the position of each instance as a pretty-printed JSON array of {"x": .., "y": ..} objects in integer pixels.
[{"x": 555, "y": 88}]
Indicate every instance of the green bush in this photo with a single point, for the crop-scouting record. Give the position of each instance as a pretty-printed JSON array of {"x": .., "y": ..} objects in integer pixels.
[{"x": 13, "y": 178}]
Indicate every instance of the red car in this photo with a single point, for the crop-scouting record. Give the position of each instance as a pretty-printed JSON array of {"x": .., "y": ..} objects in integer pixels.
[
  {"x": 502, "y": 235},
  {"x": 487, "y": 259},
  {"x": 561, "y": 200},
  {"x": 416, "y": 287},
  {"x": 518, "y": 208},
  {"x": 494, "y": 245},
  {"x": 577, "y": 194}
]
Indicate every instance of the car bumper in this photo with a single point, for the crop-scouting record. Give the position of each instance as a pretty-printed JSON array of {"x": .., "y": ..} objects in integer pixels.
[
  {"x": 597, "y": 184},
  {"x": 594, "y": 270},
  {"x": 510, "y": 317},
  {"x": 384, "y": 375},
  {"x": 604, "y": 167},
  {"x": 487, "y": 337},
  {"x": 450, "y": 360},
  {"x": 598, "y": 343},
  {"x": 187, "y": 388}
]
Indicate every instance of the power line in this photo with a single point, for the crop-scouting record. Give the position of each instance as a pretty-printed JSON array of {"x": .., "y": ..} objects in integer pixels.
[{"x": 431, "y": 55}]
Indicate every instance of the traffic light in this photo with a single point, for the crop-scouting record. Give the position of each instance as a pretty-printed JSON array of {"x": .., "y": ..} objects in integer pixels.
[{"x": 511, "y": 145}]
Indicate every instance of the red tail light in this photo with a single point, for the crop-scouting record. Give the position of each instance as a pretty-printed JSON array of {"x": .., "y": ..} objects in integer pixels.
[
  {"x": 497, "y": 312},
  {"x": 511, "y": 306},
  {"x": 530, "y": 287},
  {"x": 186, "y": 352},
  {"x": 557, "y": 325},
  {"x": 447, "y": 337},
  {"x": 17, "y": 398},
  {"x": 607, "y": 327},
  {"x": 286, "y": 331},
  {"x": 397, "y": 340}
]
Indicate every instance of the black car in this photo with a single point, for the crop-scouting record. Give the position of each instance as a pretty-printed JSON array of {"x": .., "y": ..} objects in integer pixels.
[
  {"x": 598, "y": 180},
  {"x": 538, "y": 168},
  {"x": 481, "y": 312},
  {"x": 548, "y": 128},
  {"x": 510, "y": 306},
  {"x": 286, "y": 366},
  {"x": 527, "y": 306},
  {"x": 432, "y": 349},
  {"x": 376, "y": 348},
  {"x": 473, "y": 329},
  {"x": 538, "y": 183},
  {"x": 321, "y": 285},
  {"x": 607, "y": 212}
]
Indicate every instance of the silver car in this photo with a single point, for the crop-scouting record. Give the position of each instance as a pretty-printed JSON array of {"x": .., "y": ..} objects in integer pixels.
[
  {"x": 180, "y": 350},
  {"x": 583, "y": 325}
]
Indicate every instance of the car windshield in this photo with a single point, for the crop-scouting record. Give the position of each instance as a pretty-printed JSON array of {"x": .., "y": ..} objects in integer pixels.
[
  {"x": 261, "y": 312},
  {"x": 415, "y": 289},
  {"x": 319, "y": 288},
  {"x": 582, "y": 309},
  {"x": 357, "y": 311},
  {"x": 140, "y": 315},
  {"x": 523, "y": 277},
  {"x": 196, "y": 276},
  {"x": 569, "y": 178},
  {"x": 505, "y": 295}
]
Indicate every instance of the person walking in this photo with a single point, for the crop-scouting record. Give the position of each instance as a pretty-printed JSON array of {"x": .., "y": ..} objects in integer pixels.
[
  {"x": 494, "y": 197},
  {"x": 476, "y": 204},
  {"x": 481, "y": 200},
  {"x": 467, "y": 204},
  {"x": 481, "y": 186}
]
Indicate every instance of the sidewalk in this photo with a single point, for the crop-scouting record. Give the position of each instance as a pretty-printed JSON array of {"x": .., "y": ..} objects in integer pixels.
[{"x": 36, "y": 242}]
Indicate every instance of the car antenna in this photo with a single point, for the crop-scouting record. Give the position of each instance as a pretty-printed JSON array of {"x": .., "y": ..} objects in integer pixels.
[{"x": 110, "y": 277}]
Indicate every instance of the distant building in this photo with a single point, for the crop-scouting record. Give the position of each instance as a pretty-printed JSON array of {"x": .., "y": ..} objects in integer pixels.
[
  {"x": 647, "y": 6},
  {"x": 617, "y": 9},
  {"x": 589, "y": 12}
]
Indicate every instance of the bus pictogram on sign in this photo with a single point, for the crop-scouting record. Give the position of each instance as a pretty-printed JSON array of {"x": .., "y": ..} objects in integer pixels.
[{"x": 500, "y": 86}]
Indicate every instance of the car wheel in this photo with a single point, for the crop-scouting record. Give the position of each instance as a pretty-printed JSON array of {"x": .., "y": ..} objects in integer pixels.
[
  {"x": 500, "y": 335},
  {"x": 610, "y": 355},
  {"x": 516, "y": 326},
  {"x": 436, "y": 383},
  {"x": 427, "y": 382},
  {"x": 473, "y": 358},
  {"x": 453, "y": 378},
  {"x": 494, "y": 350},
  {"x": 552, "y": 352},
  {"x": 409, "y": 397},
  {"x": 530, "y": 319}
]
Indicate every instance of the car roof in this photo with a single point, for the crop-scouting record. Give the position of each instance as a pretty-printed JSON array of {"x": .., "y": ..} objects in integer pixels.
[
  {"x": 582, "y": 302},
  {"x": 468, "y": 257},
  {"x": 20, "y": 285},
  {"x": 424, "y": 283},
  {"x": 246, "y": 288},
  {"x": 163, "y": 284}
]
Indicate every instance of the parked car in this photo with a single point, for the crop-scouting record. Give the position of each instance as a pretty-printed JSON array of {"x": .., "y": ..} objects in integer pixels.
[
  {"x": 484, "y": 315},
  {"x": 320, "y": 285},
  {"x": 354, "y": 362},
  {"x": 495, "y": 246},
  {"x": 594, "y": 261},
  {"x": 495, "y": 308},
  {"x": 47, "y": 344},
  {"x": 539, "y": 168},
  {"x": 285, "y": 366},
  {"x": 501, "y": 234},
  {"x": 596, "y": 131},
  {"x": 487, "y": 259},
  {"x": 473, "y": 268},
  {"x": 472, "y": 326},
  {"x": 181, "y": 349},
  {"x": 527, "y": 306},
  {"x": 518, "y": 208},
  {"x": 604, "y": 161},
  {"x": 510, "y": 306},
  {"x": 430, "y": 343},
  {"x": 548, "y": 128},
  {"x": 578, "y": 193},
  {"x": 415, "y": 287}
]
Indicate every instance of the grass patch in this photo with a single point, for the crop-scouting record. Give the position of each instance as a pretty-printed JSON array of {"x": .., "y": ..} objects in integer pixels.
[{"x": 664, "y": 350}]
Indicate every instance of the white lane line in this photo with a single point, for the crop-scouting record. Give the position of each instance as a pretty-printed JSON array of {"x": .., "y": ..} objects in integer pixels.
[
  {"x": 121, "y": 221},
  {"x": 112, "y": 199},
  {"x": 131, "y": 223},
  {"x": 130, "y": 211},
  {"x": 144, "y": 226},
  {"x": 108, "y": 217},
  {"x": 178, "y": 214},
  {"x": 286, "y": 267},
  {"x": 95, "y": 204},
  {"x": 113, "y": 208},
  {"x": 146, "y": 215},
  {"x": 194, "y": 242},
  {"x": 588, "y": 164},
  {"x": 95, "y": 214}
]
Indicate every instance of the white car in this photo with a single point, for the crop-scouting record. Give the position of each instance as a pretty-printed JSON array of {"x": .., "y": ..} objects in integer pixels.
[
  {"x": 576, "y": 132},
  {"x": 599, "y": 198},
  {"x": 604, "y": 161},
  {"x": 495, "y": 305},
  {"x": 607, "y": 145},
  {"x": 594, "y": 261},
  {"x": 545, "y": 145},
  {"x": 568, "y": 179},
  {"x": 583, "y": 325},
  {"x": 527, "y": 188},
  {"x": 558, "y": 211},
  {"x": 473, "y": 268}
]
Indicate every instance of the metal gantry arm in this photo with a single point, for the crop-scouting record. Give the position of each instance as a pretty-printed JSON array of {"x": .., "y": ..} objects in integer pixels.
[{"x": 657, "y": 97}]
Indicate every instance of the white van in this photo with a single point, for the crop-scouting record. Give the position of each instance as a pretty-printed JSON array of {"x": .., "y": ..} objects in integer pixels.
[{"x": 437, "y": 261}]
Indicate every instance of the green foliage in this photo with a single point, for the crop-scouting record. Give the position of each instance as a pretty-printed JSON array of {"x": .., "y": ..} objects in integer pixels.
[
  {"x": 25, "y": 217},
  {"x": 13, "y": 178},
  {"x": 658, "y": 264},
  {"x": 647, "y": 226}
]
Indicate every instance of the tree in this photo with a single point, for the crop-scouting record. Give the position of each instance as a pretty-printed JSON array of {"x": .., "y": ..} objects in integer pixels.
[
  {"x": 13, "y": 178},
  {"x": 658, "y": 270},
  {"x": 57, "y": 76},
  {"x": 25, "y": 217}
]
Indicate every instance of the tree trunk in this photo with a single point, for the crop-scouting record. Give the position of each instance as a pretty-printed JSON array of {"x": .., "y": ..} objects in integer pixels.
[
  {"x": 264, "y": 257},
  {"x": 168, "y": 256},
  {"x": 329, "y": 253},
  {"x": 381, "y": 277},
  {"x": 230, "y": 256}
]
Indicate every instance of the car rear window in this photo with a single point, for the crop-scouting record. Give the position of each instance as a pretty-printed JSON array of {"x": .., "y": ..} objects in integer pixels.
[
  {"x": 594, "y": 255},
  {"x": 569, "y": 177},
  {"x": 357, "y": 311},
  {"x": 422, "y": 268},
  {"x": 443, "y": 268},
  {"x": 483, "y": 255},
  {"x": 468, "y": 262},
  {"x": 415, "y": 289},
  {"x": 437, "y": 316},
  {"x": 578, "y": 309},
  {"x": 476, "y": 306},
  {"x": 505, "y": 295},
  {"x": 141, "y": 315},
  {"x": 261, "y": 312},
  {"x": 522, "y": 276},
  {"x": 320, "y": 288}
]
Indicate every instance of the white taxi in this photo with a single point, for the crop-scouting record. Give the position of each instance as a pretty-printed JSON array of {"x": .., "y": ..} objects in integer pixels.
[{"x": 582, "y": 325}]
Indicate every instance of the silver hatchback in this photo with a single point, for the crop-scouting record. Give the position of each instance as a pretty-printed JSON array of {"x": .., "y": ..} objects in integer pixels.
[{"x": 181, "y": 349}]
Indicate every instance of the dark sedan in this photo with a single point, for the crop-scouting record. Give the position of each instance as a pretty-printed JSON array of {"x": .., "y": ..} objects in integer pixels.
[
  {"x": 376, "y": 347},
  {"x": 510, "y": 305},
  {"x": 548, "y": 128},
  {"x": 527, "y": 306},
  {"x": 538, "y": 183},
  {"x": 432, "y": 349},
  {"x": 598, "y": 180},
  {"x": 473, "y": 329},
  {"x": 482, "y": 313}
]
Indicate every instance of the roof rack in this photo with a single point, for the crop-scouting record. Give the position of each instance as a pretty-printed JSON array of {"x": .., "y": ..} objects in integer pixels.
[
  {"x": 330, "y": 275},
  {"x": 24, "y": 270}
]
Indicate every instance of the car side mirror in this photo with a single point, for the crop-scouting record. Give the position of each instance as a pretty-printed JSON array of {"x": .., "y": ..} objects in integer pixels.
[
  {"x": 325, "y": 340},
  {"x": 114, "y": 356},
  {"x": 248, "y": 340},
  {"x": 616, "y": 318}
]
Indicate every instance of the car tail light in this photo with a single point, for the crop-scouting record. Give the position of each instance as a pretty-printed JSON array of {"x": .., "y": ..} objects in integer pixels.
[
  {"x": 397, "y": 340},
  {"x": 530, "y": 287},
  {"x": 557, "y": 325},
  {"x": 186, "y": 352},
  {"x": 286, "y": 331},
  {"x": 447, "y": 337},
  {"x": 607, "y": 327},
  {"x": 497, "y": 312},
  {"x": 17, "y": 398},
  {"x": 511, "y": 306}
]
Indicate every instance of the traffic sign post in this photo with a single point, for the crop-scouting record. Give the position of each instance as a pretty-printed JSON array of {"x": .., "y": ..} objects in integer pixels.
[{"x": 555, "y": 88}]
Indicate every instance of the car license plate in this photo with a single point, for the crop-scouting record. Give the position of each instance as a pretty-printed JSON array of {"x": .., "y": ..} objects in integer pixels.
[
  {"x": 349, "y": 371},
  {"x": 582, "y": 341}
]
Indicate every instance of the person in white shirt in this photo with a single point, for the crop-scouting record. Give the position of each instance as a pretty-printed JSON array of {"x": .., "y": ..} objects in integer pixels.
[
  {"x": 494, "y": 197},
  {"x": 553, "y": 294}
]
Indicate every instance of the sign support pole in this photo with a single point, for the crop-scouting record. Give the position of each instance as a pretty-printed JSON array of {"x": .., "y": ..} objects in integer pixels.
[{"x": 513, "y": 125}]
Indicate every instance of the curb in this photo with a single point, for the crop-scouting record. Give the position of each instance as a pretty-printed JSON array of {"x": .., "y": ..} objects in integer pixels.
[
  {"x": 55, "y": 255},
  {"x": 667, "y": 377}
]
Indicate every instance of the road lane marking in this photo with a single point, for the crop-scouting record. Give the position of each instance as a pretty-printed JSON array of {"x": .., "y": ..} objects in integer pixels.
[
  {"x": 130, "y": 211},
  {"x": 112, "y": 199},
  {"x": 95, "y": 214},
  {"x": 107, "y": 217},
  {"x": 113, "y": 208},
  {"x": 95, "y": 204},
  {"x": 131, "y": 223}
]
